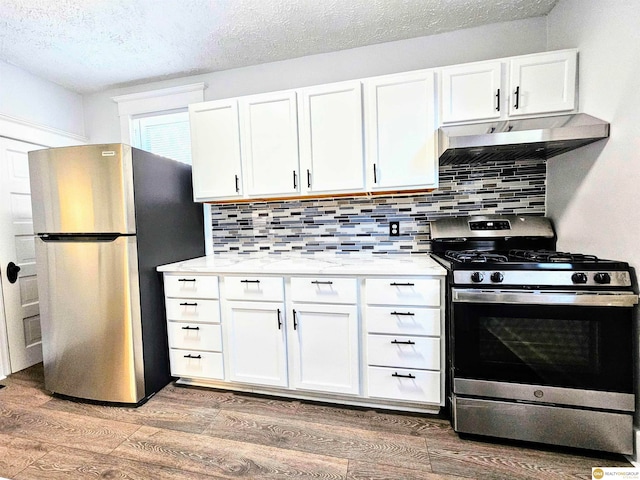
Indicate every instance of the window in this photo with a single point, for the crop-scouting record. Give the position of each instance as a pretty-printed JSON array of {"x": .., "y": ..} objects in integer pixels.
[{"x": 166, "y": 134}]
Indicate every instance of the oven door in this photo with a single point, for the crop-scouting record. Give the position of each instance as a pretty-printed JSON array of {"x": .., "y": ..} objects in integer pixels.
[{"x": 572, "y": 348}]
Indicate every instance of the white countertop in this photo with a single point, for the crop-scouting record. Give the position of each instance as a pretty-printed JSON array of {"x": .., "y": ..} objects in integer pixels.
[{"x": 309, "y": 264}]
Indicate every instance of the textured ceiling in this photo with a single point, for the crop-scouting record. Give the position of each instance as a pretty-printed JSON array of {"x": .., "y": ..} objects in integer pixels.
[{"x": 92, "y": 45}]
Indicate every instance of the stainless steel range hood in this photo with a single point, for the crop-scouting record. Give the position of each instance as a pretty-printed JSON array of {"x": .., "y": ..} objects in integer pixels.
[{"x": 542, "y": 137}]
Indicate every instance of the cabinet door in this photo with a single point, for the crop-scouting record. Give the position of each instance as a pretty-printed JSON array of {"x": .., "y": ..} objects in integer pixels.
[
  {"x": 543, "y": 83},
  {"x": 401, "y": 132},
  {"x": 324, "y": 346},
  {"x": 256, "y": 343},
  {"x": 215, "y": 147},
  {"x": 270, "y": 144},
  {"x": 471, "y": 92},
  {"x": 331, "y": 150}
]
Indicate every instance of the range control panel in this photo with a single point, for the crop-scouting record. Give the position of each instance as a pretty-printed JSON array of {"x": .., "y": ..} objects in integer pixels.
[
  {"x": 489, "y": 225},
  {"x": 542, "y": 278}
]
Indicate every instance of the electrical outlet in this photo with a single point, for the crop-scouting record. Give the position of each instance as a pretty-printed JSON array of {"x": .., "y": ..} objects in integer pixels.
[{"x": 394, "y": 229}]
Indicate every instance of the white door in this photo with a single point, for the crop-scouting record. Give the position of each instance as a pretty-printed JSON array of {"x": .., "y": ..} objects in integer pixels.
[
  {"x": 17, "y": 247},
  {"x": 269, "y": 133},
  {"x": 255, "y": 347},
  {"x": 215, "y": 145},
  {"x": 401, "y": 132},
  {"x": 472, "y": 92},
  {"x": 324, "y": 344},
  {"x": 543, "y": 83},
  {"x": 331, "y": 149}
]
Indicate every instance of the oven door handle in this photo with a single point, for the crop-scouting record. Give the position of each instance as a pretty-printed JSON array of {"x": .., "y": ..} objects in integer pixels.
[{"x": 545, "y": 297}]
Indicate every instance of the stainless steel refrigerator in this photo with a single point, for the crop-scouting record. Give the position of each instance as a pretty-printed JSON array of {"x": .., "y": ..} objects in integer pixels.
[{"x": 105, "y": 216}]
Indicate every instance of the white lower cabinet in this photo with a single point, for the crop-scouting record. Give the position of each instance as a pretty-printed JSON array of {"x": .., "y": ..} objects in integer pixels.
[
  {"x": 404, "y": 384},
  {"x": 256, "y": 346},
  {"x": 196, "y": 364},
  {"x": 324, "y": 348},
  {"x": 404, "y": 346},
  {"x": 363, "y": 341},
  {"x": 193, "y": 326}
]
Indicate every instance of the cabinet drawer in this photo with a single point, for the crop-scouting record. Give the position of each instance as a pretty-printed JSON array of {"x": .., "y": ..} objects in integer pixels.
[
  {"x": 254, "y": 288},
  {"x": 193, "y": 363},
  {"x": 324, "y": 290},
  {"x": 403, "y": 320},
  {"x": 404, "y": 384},
  {"x": 193, "y": 310},
  {"x": 191, "y": 286},
  {"x": 403, "y": 351},
  {"x": 195, "y": 336},
  {"x": 403, "y": 291}
]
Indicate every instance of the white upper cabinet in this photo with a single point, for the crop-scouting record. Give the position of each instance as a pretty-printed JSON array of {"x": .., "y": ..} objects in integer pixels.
[
  {"x": 401, "y": 132},
  {"x": 269, "y": 139},
  {"x": 373, "y": 135},
  {"x": 472, "y": 92},
  {"x": 543, "y": 83},
  {"x": 537, "y": 84},
  {"x": 215, "y": 146},
  {"x": 331, "y": 143}
]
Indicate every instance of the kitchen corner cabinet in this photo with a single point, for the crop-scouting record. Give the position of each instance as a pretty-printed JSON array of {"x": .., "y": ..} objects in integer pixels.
[
  {"x": 541, "y": 83},
  {"x": 331, "y": 138},
  {"x": 269, "y": 139},
  {"x": 215, "y": 146},
  {"x": 400, "y": 128},
  {"x": 324, "y": 340}
]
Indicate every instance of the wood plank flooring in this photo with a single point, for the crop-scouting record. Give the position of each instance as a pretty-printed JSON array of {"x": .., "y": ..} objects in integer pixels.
[{"x": 195, "y": 433}]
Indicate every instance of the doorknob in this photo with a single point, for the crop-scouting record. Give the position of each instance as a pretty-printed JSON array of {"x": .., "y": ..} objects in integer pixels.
[{"x": 12, "y": 272}]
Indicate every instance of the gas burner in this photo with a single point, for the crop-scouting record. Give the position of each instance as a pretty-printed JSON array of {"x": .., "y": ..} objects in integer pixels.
[
  {"x": 474, "y": 256},
  {"x": 550, "y": 256}
]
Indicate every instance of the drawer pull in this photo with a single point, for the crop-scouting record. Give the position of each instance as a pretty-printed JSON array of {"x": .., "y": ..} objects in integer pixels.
[
  {"x": 187, "y": 304},
  {"x": 295, "y": 322},
  {"x": 396, "y": 374},
  {"x": 190, "y": 328},
  {"x": 324, "y": 282},
  {"x": 394, "y": 284},
  {"x": 279, "y": 320},
  {"x": 407, "y": 342},
  {"x": 186, "y": 279},
  {"x": 193, "y": 356},
  {"x": 249, "y": 281},
  {"x": 406, "y": 314}
]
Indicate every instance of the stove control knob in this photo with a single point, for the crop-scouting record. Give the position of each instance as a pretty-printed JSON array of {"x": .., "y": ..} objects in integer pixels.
[
  {"x": 497, "y": 277},
  {"x": 602, "y": 278},
  {"x": 579, "y": 278},
  {"x": 477, "y": 277}
]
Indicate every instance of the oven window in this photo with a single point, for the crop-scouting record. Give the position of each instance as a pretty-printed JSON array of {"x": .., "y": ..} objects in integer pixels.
[{"x": 564, "y": 346}]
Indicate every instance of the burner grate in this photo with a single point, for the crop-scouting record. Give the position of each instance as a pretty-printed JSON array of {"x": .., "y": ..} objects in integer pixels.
[
  {"x": 550, "y": 256},
  {"x": 474, "y": 256}
]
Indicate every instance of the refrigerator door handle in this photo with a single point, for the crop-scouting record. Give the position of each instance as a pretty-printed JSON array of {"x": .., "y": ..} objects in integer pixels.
[{"x": 79, "y": 237}]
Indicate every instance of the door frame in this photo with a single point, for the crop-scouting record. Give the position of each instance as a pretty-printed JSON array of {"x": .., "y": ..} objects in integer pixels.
[{"x": 22, "y": 131}]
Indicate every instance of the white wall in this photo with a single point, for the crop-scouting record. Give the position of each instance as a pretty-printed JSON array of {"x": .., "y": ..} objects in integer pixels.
[
  {"x": 593, "y": 193},
  {"x": 481, "y": 43},
  {"x": 33, "y": 100}
]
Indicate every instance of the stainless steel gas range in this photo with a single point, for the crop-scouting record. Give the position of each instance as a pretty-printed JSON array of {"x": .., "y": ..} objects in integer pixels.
[{"x": 540, "y": 341}]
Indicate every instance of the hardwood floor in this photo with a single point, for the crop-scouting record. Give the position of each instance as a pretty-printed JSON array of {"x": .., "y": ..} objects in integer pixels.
[{"x": 194, "y": 433}]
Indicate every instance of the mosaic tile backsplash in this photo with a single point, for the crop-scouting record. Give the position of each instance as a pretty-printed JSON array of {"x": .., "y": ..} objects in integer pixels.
[{"x": 361, "y": 224}]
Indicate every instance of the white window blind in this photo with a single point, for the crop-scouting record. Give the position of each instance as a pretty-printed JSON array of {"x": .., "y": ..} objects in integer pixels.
[{"x": 164, "y": 134}]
